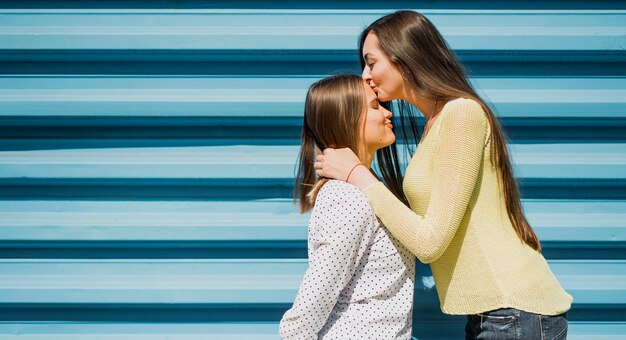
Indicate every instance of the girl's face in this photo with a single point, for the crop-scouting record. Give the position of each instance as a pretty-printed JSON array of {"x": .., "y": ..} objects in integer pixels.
[
  {"x": 379, "y": 72},
  {"x": 377, "y": 128}
]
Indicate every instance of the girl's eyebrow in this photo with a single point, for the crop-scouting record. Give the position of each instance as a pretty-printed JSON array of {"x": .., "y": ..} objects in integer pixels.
[{"x": 374, "y": 101}]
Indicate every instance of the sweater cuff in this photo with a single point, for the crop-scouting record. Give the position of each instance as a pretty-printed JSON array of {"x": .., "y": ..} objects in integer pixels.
[{"x": 373, "y": 188}]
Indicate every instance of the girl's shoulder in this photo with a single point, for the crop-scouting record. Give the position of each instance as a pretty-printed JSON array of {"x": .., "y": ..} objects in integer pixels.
[
  {"x": 336, "y": 194},
  {"x": 337, "y": 189},
  {"x": 342, "y": 206}
]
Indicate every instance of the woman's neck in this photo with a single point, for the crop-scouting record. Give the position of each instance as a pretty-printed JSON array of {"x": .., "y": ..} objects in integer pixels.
[{"x": 427, "y": 107}]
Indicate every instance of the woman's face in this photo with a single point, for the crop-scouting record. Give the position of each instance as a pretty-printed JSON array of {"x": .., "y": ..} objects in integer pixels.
[
  {"x": 379, "y": 72},
  {"x": 377, "y": 128}
]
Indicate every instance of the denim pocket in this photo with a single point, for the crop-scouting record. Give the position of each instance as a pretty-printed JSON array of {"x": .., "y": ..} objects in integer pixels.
[
  {"x": 498, "y": 319},
  {"x": 554, "y": 327},
  {"x": 499, "y": 316},
  {"x": 497, "y": 324}
]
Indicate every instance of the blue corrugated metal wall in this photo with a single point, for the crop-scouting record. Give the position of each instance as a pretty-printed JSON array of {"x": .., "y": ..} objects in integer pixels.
[{"x": 147, "y": 150}]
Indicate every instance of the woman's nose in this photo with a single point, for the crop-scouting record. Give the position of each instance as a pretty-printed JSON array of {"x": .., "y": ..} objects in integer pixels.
[
  {"x": 388, "y": 114},
  {"x": 366, "y": 74}
]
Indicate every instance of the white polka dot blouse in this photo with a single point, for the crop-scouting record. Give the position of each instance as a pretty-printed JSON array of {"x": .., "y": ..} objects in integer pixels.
[{"x": 359, "y": 284}]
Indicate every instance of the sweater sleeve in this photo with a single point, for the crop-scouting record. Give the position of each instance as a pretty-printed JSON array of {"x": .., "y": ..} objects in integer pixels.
[
  {"x": 457, "y": 161},
  {"x": 345, "y": 225}
]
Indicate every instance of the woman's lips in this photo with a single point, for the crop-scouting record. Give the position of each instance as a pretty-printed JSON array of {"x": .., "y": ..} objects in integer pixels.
[{"x": 389, "y": 125}]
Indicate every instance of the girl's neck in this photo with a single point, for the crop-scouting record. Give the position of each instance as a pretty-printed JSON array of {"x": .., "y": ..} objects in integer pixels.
[{"x": 367, "y": 159}]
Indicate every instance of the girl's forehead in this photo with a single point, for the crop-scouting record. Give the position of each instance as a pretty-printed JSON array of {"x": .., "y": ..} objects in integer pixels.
[{"x": 369, "y": 93}]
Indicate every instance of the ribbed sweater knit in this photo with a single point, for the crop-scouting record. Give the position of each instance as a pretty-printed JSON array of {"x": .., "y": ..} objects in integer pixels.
[{"x": 458, "y": 222}]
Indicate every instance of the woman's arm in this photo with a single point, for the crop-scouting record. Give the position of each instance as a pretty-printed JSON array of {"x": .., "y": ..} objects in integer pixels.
[
  {"x": 345, "y": 224},
  {"x": 458, "y": 157}
]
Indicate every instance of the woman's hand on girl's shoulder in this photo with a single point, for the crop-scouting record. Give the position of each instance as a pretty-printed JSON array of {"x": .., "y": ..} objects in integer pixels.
[
  {"x": 344, "y": 165},
  {"x": 335, "y": 163}
]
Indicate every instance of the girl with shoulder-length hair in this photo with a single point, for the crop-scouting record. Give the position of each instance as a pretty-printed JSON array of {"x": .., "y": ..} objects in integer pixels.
[
  {"x": 343, "y": 294},
  {"x": 464, "y": 215}
]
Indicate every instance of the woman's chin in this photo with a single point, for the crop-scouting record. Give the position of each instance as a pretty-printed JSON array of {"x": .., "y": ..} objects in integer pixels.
[
  {"x": 381, "y": 95},
  {"x": 385, "y": 96}
]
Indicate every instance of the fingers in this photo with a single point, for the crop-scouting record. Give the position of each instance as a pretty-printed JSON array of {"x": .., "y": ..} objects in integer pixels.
[{"x": 319, "y": 169}]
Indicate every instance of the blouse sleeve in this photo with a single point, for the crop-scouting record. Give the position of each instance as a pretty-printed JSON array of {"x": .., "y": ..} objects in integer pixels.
[
  {"x": 458, "y": 157},
  {"x": 345, "y": 224}
]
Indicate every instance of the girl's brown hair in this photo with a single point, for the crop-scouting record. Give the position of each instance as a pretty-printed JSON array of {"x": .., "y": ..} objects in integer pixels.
[
  {"x": 333, "y": 117},
  {"x": 416, "y": 47}
]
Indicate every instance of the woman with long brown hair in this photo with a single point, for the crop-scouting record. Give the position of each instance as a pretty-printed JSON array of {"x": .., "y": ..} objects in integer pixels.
[
  {"x": 464, "y": 214},
  {"x": 343, "y": 294}
]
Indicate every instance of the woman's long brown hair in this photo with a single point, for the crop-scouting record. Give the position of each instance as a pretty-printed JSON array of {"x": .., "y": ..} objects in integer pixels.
[
  {"x": 416, "y": 47},
  {"x": 333, "y": 116}
]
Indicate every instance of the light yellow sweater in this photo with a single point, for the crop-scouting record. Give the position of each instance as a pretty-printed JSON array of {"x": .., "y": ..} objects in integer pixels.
[{"x": 459, "y": 224}]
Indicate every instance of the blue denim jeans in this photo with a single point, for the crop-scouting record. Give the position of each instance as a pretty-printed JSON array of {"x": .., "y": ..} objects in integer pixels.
[{"x": 513, "y": 323}]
